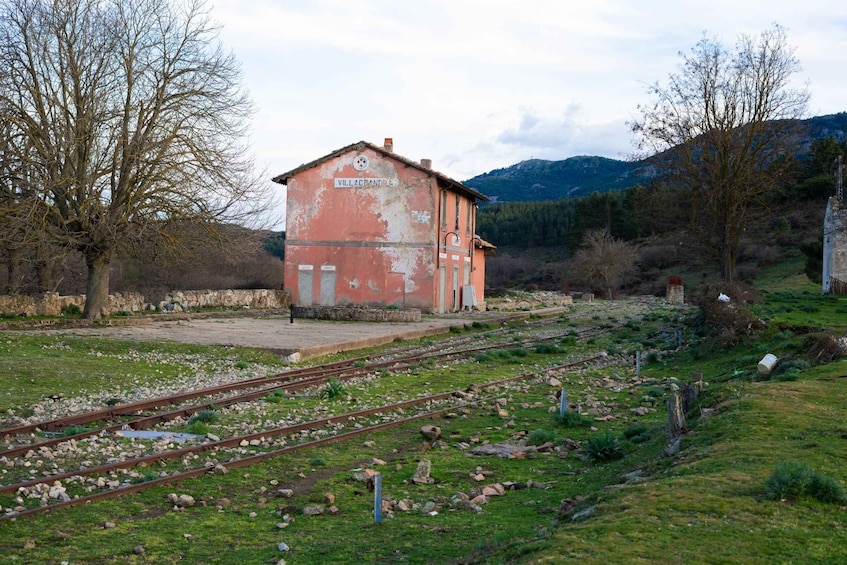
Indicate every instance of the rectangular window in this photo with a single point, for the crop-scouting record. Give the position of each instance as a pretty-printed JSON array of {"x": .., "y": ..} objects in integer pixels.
[
  {"x": 469, "y": 224},
  {"x": 458, "y": 212},
  {"x": 443, "y": 209}
]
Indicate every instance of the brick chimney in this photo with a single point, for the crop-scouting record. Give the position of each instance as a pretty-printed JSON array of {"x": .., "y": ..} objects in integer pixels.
[
  {"x": 426, "y": 163},
  {"x": 389, "y": 144}
]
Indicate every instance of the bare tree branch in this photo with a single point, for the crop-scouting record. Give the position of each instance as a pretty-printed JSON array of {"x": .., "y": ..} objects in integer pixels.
[
  {"x": 131, "y": 116},
  {"x": 725, "y": 128}
]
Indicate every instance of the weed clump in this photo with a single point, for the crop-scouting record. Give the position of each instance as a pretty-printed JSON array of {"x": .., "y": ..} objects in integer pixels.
[
  {"x": 603, "y": 447},
  {"x": 74, "y": 430},
  {"x": 824, "y": 348},
  {"x": 205, "y": 416},
  {"x": 275, "y": 396},
  {"x": 637, "y": 433},
  {"x": 730, "y": 321},
  {"x": 571, "y": 419},
  {"x": 540, "y": 437},
  {"x": 71, "y": 311},
  {"x": 333, "y": 389},
  {"x": 795, "y": 479}
]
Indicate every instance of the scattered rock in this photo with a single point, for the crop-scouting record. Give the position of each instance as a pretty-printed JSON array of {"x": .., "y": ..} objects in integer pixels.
[
  {"x": 583, "y": 514},
  {"x": 432, "y": 433},
  {"x": 673, "y": 447},
  {"x": 313, "y": 510},
  {"x": 138, "y": 549},
  {"x": 421, "y": 476}
]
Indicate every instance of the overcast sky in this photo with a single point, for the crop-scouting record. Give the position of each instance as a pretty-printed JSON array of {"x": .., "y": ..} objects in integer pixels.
[{"x": 477, "y": 85}]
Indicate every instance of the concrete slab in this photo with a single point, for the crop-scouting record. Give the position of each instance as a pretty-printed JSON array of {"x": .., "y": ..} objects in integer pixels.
[{"x": 300, "y": 340}]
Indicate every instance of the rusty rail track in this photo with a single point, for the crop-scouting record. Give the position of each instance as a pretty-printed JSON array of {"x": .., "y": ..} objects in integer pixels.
[
  {"x": 238, "y": 440},
  {"x": 307, "y": 377}
]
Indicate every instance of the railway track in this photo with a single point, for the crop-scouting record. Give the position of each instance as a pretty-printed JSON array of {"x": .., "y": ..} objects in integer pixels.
[
  {"x": 132, "y": 416},
  {"x": 444, "y": 401}
]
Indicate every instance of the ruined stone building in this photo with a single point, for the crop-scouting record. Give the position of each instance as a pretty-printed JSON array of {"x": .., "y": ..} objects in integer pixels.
[
  {"x": 365, "y": 226},
  {"x": 835, "y": 247}
]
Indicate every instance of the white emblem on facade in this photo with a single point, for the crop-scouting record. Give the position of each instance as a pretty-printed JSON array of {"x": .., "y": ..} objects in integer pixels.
[{"x": 360, "y": 162}]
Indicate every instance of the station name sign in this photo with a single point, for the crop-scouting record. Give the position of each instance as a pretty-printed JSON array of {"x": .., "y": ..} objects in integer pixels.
[{"x": 364, "y": 182}]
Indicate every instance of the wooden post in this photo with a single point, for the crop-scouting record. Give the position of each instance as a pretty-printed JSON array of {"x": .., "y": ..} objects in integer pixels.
[
  {"x": 378, "y": 498},
  {"x": 563, "y": 402},
  {"x": 676, "y": 419}
]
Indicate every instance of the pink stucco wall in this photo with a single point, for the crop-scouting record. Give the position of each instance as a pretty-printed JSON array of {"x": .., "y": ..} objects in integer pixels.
[{"x": 373, "y": 236}]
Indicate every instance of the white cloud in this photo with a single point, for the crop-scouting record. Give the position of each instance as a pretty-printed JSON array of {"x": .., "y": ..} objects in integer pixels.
[{"x": 482, "y": 84}]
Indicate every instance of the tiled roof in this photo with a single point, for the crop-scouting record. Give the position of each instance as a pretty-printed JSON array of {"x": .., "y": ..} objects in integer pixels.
[{"x": 454, "y": 185}]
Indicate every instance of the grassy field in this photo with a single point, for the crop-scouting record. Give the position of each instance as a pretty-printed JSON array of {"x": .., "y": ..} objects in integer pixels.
[{"x": 706, "y": 504}]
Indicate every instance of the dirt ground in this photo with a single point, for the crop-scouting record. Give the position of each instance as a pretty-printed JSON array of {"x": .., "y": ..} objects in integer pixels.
[{"x": 300, "y": 340}]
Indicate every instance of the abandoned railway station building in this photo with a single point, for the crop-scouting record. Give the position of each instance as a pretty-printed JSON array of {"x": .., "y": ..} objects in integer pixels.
[{"x": 365, "y": 226}]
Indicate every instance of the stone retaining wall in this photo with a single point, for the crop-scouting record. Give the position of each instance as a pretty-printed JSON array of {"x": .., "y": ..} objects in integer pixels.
[
  {"x": 51, "y": 303},
  {"x": 253, "y": 298},
  {"x": 357, "y": 314}
]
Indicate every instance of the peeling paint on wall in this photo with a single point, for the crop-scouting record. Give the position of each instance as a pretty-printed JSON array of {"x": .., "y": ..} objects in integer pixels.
[{"x": 380, "y": 235}]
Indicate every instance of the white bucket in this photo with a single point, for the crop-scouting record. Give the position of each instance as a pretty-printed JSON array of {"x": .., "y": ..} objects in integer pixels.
[{"x": 767, "y": 363}]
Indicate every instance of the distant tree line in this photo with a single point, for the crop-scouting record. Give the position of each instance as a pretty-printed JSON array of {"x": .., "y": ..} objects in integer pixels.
[
  {"x": 538, "y": 241},
  {"x": 234, "y": 257}
]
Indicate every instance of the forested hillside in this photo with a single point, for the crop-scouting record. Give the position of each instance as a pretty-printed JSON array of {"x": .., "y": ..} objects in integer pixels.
[
  {"x": 538, "y": 180},
  {"x": 536, "y": 240}
]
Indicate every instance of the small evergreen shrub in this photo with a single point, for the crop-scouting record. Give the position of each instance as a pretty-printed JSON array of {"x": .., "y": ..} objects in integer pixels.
[
  {"x": 603, "y": 447},
  {"x": 637, "y": 433},
  {"x": 795, "y": 479},
  {"x": 539, "y": 437},
  {"x": 242, "y": 365},
  {"x": 827, "y": 489},
  {"x": 547, "y": 349},
  {"x": 483, "y": 357}
]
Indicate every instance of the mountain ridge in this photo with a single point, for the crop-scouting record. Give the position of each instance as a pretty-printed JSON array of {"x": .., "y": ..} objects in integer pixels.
[{"x": 580, "y": 175}]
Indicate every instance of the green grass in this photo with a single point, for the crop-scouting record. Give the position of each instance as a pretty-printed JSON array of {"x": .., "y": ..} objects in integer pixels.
[
  {"x": 36, "y": 366},
  {"x": 708, "y": 504}
]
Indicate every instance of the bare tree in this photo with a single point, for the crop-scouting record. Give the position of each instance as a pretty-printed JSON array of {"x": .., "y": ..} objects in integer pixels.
[
  {"x": 725, "y": 129},
  {"x": 604, "y": 261},
  {"x": 135, "y": 115}
]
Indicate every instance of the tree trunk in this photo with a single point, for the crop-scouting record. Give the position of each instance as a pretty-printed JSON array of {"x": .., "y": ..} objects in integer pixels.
[
  {"x": 13, "y": 269},
  {"x": 727, "y": 261},
  {"x": 97, "y": 286}
]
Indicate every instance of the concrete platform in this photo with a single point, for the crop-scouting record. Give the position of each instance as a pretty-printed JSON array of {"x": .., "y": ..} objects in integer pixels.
[{"x": 303, "y": 339}]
